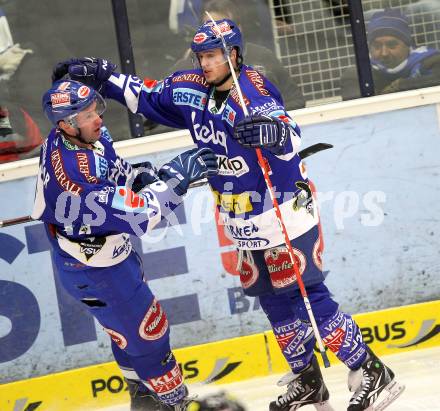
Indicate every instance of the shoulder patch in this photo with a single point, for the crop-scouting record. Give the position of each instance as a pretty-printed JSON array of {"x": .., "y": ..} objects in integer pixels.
[
  {"x": 105, "y": 134},
  {"x": 234, "y": 95},
  {"x": 257, "y": 81},
  {"x": 190, "y": 78},
  {"x": 84, "y": 168}
]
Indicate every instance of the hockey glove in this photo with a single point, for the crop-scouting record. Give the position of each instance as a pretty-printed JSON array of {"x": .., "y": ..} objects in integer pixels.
[
  {"x": 145, "y": 174},
  {"x": 188, "y": 167},
  {"x": 88, "y": 70},
  {"x": 261, "y": 131}
]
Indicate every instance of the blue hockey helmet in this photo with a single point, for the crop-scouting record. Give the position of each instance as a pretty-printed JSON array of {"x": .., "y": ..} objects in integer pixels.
[
  {"x": 67, "y": 98},
  {"x": 208, "y": 37}
]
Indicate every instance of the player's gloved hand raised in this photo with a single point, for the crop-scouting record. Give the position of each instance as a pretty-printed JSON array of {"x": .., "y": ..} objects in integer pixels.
[
  {"x": 260, "y": 131},
  {"x": 145, "y": 174},
  {"x": 88, "y": 70},
  {"x": 188, "y": 167}
]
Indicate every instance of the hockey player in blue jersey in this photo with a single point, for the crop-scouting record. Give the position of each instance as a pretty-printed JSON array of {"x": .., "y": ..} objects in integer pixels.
[
  {"x": 205, "y": 101},
  {"x": 91, "y": 200}
]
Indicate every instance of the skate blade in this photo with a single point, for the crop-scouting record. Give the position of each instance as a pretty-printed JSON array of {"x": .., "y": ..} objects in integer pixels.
[
  {"x": 323, "y": 406},
  {"x": 394, "y": 390}
]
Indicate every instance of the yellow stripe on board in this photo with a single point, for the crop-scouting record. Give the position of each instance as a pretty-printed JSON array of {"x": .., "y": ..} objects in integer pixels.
[{"x": 388, "y": 331}]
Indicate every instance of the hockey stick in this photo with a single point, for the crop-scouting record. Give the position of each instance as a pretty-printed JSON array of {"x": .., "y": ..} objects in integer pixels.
[
  {"x": 304, "y": 153},
  {"x": 265, "y": 168}
]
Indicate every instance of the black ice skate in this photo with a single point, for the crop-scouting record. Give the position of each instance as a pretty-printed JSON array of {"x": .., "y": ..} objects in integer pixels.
[
  {"x": 304, "y": 388},
  {"x": 368, "y": 382},
  {"x": 141, "y": 398}
]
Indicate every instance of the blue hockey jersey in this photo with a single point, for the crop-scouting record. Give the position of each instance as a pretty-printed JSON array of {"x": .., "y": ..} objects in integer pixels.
[
  {"x": 84, "y": 196},
  {"x": 185, "y": 100}
]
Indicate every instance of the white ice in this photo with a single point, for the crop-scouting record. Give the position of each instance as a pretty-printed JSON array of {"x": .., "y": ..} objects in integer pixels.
[{"x": 418, "y": 370}]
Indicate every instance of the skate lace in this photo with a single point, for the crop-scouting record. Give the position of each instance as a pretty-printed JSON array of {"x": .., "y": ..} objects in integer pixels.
[
  {"x": 363, "y": 389},
  {"x": 294, "y": 388}
]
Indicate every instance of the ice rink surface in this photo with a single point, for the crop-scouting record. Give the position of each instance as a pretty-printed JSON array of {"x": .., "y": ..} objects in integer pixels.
[{"x": 418, "y": 370}]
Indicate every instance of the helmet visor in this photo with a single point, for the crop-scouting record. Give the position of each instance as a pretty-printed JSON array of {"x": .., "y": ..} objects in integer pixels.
[
  {"x": 89, "y": 114},
  {"x": 209, "y": 59}
]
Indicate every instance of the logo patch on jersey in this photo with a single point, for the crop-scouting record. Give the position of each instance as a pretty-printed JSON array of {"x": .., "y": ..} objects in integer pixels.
[
  {"x": 155, "y": 322},
  {"x": 60, "y": 99},
  {"x": 92, "y": 247},
  {"x": 304, "y": 198},
  {"x": 248, "y": 271},
  {"x": 150, "y": 83},
  {"x": 105, "y": 134},
  {"x": 208, "y": 134},
  {"x": 229, "y": 115},
  {"x": 166, "y": 383},
  {"x": 83, "y": 91},
  {"x": 98, "y": 148},
  {"x": 191, "y": 78},
  {"x": 131, "y": 201},
  {"x": 70, "y": 146},
  {"x": 101, "y": 166},
  {"x": 104, "y": 193},
  {"x": 235, "y": 203},
  {"x": 280, "y": 266},
  {"x": 234, "y": 95},
  {"x": 317, "y": 253},
  {"x": 61, "y": 175},
  {"x": 257, "y": 81},
  {"x": 244, "y": 237},
  {"x": 235, "y": 166},
  {"x": 268, "y": 108},
  {"x": 125, "y": 247},
  {"x": 117, "y": 338},
  {"x": 189, "y": 97},
  {"x": 85, "y": 229},
  {"x": 83, "y": 166}
]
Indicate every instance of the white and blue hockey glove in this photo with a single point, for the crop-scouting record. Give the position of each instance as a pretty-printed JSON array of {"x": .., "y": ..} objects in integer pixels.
[
  {"x": 260, "y": 131},
  {"x": 188, "y": 167},
  {"x": 146, "y": 174},
  {"x": 88, "y": 70}
]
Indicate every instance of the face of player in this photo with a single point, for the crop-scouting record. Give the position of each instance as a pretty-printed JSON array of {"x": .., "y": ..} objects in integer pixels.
[
  {"x": 88, "y": 126},
  {"x": 89, "y": 122},
  {"x": 389, "y": 50},
  {"x": 215, "y": 66}
]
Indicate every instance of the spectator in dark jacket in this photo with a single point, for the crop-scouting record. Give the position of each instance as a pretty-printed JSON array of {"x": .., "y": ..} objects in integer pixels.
[{"x": 397, "y": 64}]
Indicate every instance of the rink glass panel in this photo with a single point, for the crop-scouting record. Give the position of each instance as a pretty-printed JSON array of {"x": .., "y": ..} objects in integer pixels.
[
  {"x": 47, "y": 32},
  {"x": 306, "y": 46}
]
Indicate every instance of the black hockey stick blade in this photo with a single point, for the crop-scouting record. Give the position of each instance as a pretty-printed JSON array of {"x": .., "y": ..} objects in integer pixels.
[{"x": 313, "y": 149}]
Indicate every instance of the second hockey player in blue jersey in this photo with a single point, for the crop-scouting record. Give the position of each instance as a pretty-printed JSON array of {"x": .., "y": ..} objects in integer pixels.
[
  {"x": 206, "y": 102},
  {"x": 91, "y": 200}
]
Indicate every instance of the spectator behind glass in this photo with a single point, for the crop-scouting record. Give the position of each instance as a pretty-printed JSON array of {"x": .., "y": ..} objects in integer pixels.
[
  {"x": 13, "y": 145},
  {"x": 397, "y": 64}
]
